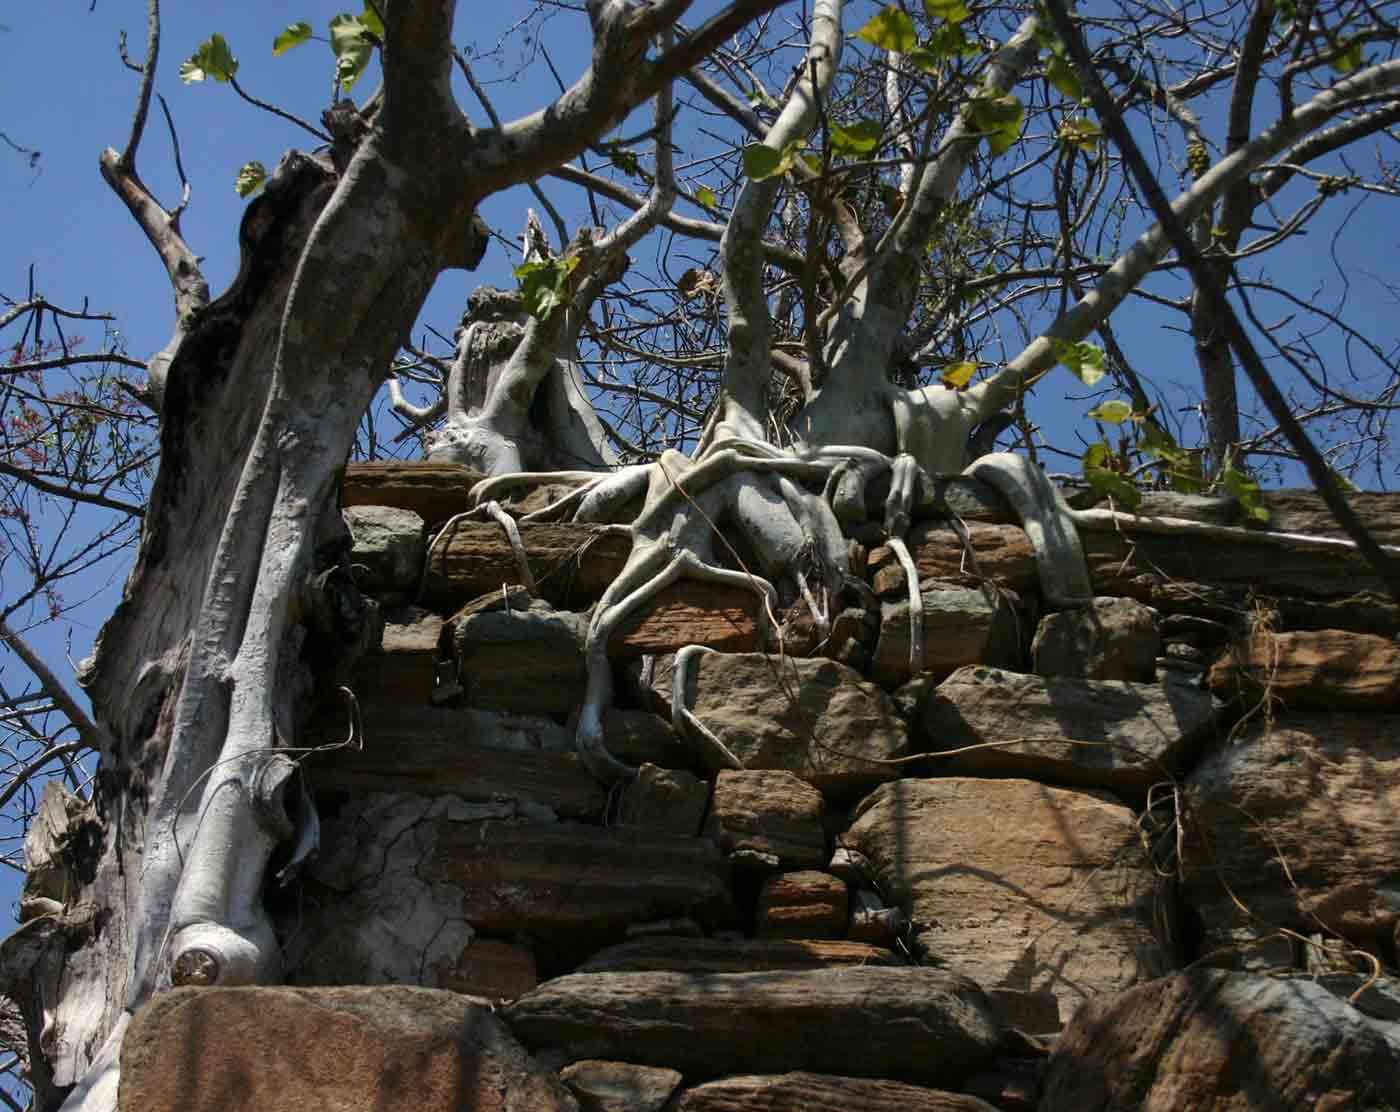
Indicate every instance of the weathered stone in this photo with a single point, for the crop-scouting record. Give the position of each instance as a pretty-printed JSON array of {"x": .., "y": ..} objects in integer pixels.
[
  {"x": 1301, "y": 819},
  {"x": 679, "y": 926},
  {"x": 1011, "y": 1085},
  {"x": 803, "y": 904},
  {"x": 1015, "y": 884},
  {"x": 574, "y": 885},
  {"x": 850, "y": 866},
  {"x": 715, "y": 955},
  {"x": 402, "y": 671},
  {"x": 691, "y": 613},
  {"x": 871, "y": 921},
  {"x": 1137, "y": 734},
  {"x": 820, "y": 1092},
  {"x": 525, "y": 661},
  {"x": 1220, "y": 579},
  {"x": 434, "y": 491},
  {"x": 327, "y": 1050},
  {"x": 1214, "y": 1041},
  {"x": 1000, "y": 553},
  {"x": 639, "y": 737},
  {"x": 815, "y": 718},
  {"x": 619, "y": 1086},
  {"x": 711, "y": 1024},
  {"x": 388, "y": 548},
  {"x": 498, "y": 971},
  {"x": 410, "y": 629},
  {"x": 1034, "y": 1013},
  {"x": 961, "y": 625},
  {"x": 1111, "y": 639},
  {"x": 1328, "y": 669},
  {"x": 572, "y": 564},
  {"x": 770, "y": 812},
  {"x": 663, "y": 799},
  {"x": 478, "y": 755},
  {"x": 646, "y": 682}
]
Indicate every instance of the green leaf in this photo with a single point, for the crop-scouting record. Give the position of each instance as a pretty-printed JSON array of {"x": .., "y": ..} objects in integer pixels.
[
  {"x": 957, "y": 375},
  {"x": 1060, "y": 74},
  {"x": 1188, "y": 475},
  {"x": 1350, "y": 59},
  {"x": 1082, "y": 133},
  {"x": 544, "y": 285},
  {"x": 1245, "y": 490},
  {"x": 1105, "y": 481},
  {"x": 890, "y": 29},
  {"x": 1083, "y": 358},
  {"x": 1157, "y": 443},
  {"x": 763, "y": 162},
  {"x": 706, "y": 196},
  {"x": 998, "y": 118},
  {"x": 352, "y": 43},
  {"x": 857, "y": 139},
  {"x": 251, "y": 176},
  {"x": 212, "y": 59},
  {"x": 373, "y": 24},
  {"x": 953, "y": 11},
  {"x": 1113, "y": 412},
  {"x": 294, "y": 35}
]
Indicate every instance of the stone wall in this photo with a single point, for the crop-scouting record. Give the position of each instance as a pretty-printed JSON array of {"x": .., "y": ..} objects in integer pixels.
[{"x": 1136, "y": 855}]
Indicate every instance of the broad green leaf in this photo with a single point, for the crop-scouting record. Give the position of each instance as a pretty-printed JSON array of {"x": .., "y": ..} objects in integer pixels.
[
  {"x": 251, "y": 176},
  {"x": 890, "y": 29},
  {"x": 1187, "y": 476},
  {"x": 1060, "y": 73},
  {"x": 212, "y": 59},
  {"x": 352, "y": 43},
  {"x": 1113, "y": 412},
  {"x": 373, "y": 24},
  {"x": 1083, "y": 358},
  {"x": 544, "y": 284},
  {"x": 294, "y": 35},
  {"x": 706, "y": 196},
  {"x": 623, "y": 157},
  {"x": 997, "y": 118},
  {"x": 762, "y": 162},
  {"x": 1081, "y": 132},
  {"x": 947, "y": 42},
  {"x": 1244, "y": 490},
  {"x": 858, "y": 138},
  {"x": 1286, "y": 11},
  {"x": 1350, "y": 59},
  {"x": 953, "y": 11},
  {"x": 1107, "y": 482},
  {"x": 1158, "y": 443},
  {"x": 957, "y": 375}
]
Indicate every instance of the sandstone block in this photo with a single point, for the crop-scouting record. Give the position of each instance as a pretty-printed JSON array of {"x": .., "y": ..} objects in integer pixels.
[
  {"x": 1137, "y": 734},
  {"x": 388, "y": 546},
  {"x": 820, "y": 1092},
  {"x": 691, "y": 613},
  {"x": 814, "y": 718},
  {"x": 384, "y": 1049},
  {"x": 803, "y": 904},
  {"x": 961, "y": 625},
  {"x": 1001, "y": 553},
  {"x": 707, "y": 1025},
  {"x": 1111, "y": 639},
  {"x": 528, "y": 661},
  {"x": 1328, "y": 669},
  {"x": 1015, "y": 884},
  {"x": 1214, "y": 1041},
  {"x": 434, "y": 491},
  {"x": 663, "y": 799},
  {"x": 619, "y": 1086},
  {"x": 768, "y": 812},
  {"x": 747, "y": 955},
  {"x": 499, "y": 971}
]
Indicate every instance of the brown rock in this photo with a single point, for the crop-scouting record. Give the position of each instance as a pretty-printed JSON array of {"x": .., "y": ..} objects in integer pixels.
[
  {"x": 496, "y": 970},
  {"x": 691, "y": 613},
  {"x": 815, "y": 718},
  {"x": 403, "y": 671},
  {"x": 434, "y": 491},
  {"x": 749, "y": 955},
  {"x": 770, "y": 812},
  {"x": 478, "y": 755},
  {"x": 619, "y": 1086},
  {"x": 572, "y": 564},
  {"x": 1111, "y": 639},
  {"x": 1001, "y": 553},
  {"x": 527, "y": 661},
  {"x": 1213, "y": 1041},
  {"x": 804, "y": 904},
  {"x": 1327, "y": 669},
  {"x": 821, "y": 1092},
  {"x": 639, "y": 737},
  {"x": 327, "y": 1050},
  {"x": 1138, "y": 734},
  {"x": 1302, "y": 820},
  {"x": 558, "y": 880},
  {"x": 961, "y": 625},
  {"x": 1015, "y": 884},
  {"x": 673, "y": 802},
  {"x": 712, "y": 1024}
]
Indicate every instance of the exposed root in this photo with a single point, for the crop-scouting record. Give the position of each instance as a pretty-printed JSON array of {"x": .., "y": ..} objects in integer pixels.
[
  {"x": 517, "y": 546},
  {"x": 683, "y": 717},
  {"x": 916, "y": 604}
]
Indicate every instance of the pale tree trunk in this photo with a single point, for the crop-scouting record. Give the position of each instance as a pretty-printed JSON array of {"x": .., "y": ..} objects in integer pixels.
[{"x": 199, "y": 677}]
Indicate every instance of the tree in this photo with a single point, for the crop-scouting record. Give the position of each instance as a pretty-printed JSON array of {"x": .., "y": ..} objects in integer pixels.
[{"x": 853, "y": 300}]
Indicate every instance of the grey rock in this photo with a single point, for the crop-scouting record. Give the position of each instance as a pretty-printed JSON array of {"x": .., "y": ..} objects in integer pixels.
[
  {"x": 672, "y": 801},
  {"x": 961, "y": 625},
  {"x": 619, "y": 1086},
  {"x": 388, "y": 546},
  {"x": 1111, "y": 639}
]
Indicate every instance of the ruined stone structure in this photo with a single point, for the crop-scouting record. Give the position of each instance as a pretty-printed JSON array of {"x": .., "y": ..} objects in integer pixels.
[{"x": 1139, "y": 853}]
